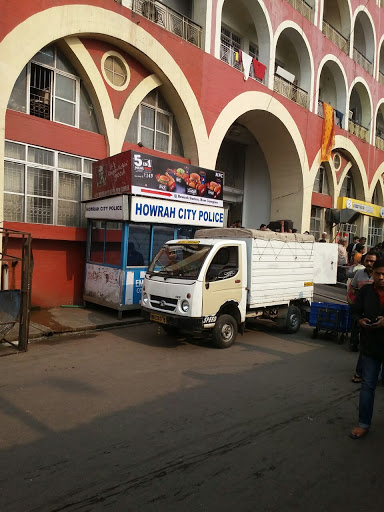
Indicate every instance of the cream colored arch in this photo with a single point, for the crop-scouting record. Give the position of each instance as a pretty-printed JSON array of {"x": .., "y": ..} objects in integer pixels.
[
  {"x": 324, "y": 60},
  {"x": 295, "y": 201},
  {"x": 115, "y": 128},
  {"x": 374, "y": 120},
  {"x": 321, "y": 12},
  {"x": 362, "y": 8},
  {"x": 65, "y": 21},
  {"x": 379, "y": 46},
  {"x": 219, "y": 10},
  {"x": 361, "y": 80},
  {"x": 297, "y": 28},
  {"x": 377, "y": 179},
  {"x": 342, "y": 142}
]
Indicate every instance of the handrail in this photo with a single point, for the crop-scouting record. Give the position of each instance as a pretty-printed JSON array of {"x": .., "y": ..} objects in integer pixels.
[
  {"x": 359, "y": 130},
  {"x": 334, "y": 35},
  {"x": 291, "y": 91},
  {"x": 303, "y": 8},
  {"x": 228, "y": 55},
  {"x": 170, "y": 19},
  {"x": 363, "y": 61}
]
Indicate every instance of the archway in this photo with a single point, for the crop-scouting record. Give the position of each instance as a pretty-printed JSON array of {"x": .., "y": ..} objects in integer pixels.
[
  {"x": 333, "y": 89},
  {"x": 294, "y": 69},
  {"x": 273, "y": 180}
]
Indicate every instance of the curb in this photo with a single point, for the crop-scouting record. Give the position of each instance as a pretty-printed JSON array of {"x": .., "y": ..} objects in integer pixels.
[{"x": 48, "y": 333}]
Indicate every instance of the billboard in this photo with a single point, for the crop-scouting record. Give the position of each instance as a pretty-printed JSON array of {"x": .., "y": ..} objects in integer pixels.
[{"x": 137, "y": 173}]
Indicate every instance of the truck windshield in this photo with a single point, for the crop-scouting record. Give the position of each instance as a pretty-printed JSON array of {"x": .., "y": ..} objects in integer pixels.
[{"x": 179, "y": 260}]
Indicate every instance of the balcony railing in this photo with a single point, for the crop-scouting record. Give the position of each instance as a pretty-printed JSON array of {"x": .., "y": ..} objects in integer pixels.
[
  {"x": 363, "y": 61},
  {"x": 358, "y": 130},
  {"x": 228, "y": 55},
  {"x": 320, "y": 113},
  {"x": 381, "y": 78},
  {"x": 303, "y": 8},
  {"x": 291, "y": 91},
  {"x": 379, "y": 142},
  {"x": 170, "y": 20},
  {"x": 335, "y": 36}
]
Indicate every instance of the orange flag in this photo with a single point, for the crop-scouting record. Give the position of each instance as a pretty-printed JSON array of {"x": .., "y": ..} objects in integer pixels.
[{"x": 328, "y": 140}]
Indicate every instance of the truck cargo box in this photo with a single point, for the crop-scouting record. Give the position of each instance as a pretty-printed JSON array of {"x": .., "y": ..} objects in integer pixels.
[{"x": 281, "y": 266}]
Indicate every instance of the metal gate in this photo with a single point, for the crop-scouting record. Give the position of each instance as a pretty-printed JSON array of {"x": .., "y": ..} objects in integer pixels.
[{"x": 15, "y": 285}]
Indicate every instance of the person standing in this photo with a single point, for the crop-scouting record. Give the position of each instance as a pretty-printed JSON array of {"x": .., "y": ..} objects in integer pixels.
[
  {"x": 342, "y": 260},
  {"x": 351, "y": 246},
  {"x": 368, "y": 309},
  {"x": 323, "y": 238}
]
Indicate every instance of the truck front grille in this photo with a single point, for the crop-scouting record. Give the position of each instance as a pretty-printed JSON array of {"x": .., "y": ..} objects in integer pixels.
[{"x": 163, "y": 303}]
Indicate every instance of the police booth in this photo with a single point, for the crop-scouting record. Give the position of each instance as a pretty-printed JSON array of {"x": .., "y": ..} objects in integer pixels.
[{"x": 139, "y": 203}]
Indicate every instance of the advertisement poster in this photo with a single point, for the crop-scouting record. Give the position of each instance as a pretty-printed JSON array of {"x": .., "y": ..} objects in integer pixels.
[
  {"x": 146, "y": 175},
  {"x": 112, "y": 175}
]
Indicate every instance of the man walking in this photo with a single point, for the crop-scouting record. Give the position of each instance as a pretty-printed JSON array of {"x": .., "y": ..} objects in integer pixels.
[
  {"x": 361, "y": 278},
  {"x": 368, "y": 309}
]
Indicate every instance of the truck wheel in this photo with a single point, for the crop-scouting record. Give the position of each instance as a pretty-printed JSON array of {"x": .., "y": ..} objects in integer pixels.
[
  {"x": 292, "y": 320},
  {"x": 225, "y": 331},
  {"x": 170, "y": 331}
]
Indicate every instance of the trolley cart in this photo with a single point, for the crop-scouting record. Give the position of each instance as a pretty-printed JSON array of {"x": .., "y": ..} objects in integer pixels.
[{"x": 334, "y": 319}]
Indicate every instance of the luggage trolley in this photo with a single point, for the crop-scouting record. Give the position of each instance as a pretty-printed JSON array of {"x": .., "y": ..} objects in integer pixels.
[{"x": 333, "y": 318}]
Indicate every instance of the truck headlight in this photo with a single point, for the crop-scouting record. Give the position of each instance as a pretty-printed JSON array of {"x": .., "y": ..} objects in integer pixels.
[
  {"x": 185, "y": 306},
  {"x": 145, "y": 299}
]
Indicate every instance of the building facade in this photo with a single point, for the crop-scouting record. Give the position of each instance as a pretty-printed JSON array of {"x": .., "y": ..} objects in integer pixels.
[{"x": 86, "y": 80}]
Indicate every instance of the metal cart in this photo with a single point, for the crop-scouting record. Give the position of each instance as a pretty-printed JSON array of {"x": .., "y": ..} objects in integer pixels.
[{"x": 334, "y": 319}]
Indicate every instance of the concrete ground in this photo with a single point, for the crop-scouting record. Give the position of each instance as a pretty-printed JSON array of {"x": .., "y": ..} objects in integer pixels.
[{"x": 130, "y": 420}]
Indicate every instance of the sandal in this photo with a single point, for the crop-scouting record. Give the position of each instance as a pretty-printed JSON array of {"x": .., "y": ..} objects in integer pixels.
[
  {"x": 357, "y": 379},
  {"x": 358, "y": 432}
]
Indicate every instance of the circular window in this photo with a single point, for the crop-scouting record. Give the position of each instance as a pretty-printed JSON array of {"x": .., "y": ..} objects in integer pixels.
[
  {"x": 115, "y": 70},
  {"x": 337, "y": 161}
]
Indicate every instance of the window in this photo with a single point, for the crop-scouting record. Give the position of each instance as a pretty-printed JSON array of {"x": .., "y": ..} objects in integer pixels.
[
  {"x": 316, "y": 222},
  {"x": 45, "y": 187},
  {"x": 139, "y": 236},
  {"x": 115, "y": 70},
  {"x": 229, "y": 46},
  {"x": 347, "y": 188},
  {"x": 49, "y": 88},
  {"x": 375, "y": 232},
  {"x": 225, "y": 264},
  {"x": 154, "y": 125},
  {"x": 321, "y": 182}
]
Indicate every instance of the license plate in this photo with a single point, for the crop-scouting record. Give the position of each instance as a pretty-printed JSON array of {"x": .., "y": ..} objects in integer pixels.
[{"x": 158, "y": 318}]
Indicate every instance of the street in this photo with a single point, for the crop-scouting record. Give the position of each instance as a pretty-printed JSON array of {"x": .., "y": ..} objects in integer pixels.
[{"x": 131, "y": 420}]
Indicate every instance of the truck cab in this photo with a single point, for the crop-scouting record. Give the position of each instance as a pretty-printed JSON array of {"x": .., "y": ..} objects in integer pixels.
[{"x": 198, "y": 286}]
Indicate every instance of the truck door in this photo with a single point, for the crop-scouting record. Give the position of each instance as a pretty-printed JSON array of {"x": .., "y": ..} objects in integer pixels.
[{"x": 223, "y": 280}]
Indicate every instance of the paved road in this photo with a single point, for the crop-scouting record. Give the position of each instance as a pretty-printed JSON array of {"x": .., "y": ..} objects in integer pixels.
[{"x": 130, "y": 420}]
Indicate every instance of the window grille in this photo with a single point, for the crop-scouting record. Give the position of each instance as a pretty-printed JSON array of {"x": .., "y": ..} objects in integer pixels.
[
  {"x": 49, "y": 88},
  {"x": 316, "y": 227},
  {"x": 321, "y": 182},
  {"x": 36, "y": 191},
  {"x": 375, "y": 232}
]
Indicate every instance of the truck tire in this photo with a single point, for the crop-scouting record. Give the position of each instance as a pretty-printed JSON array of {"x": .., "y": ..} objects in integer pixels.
[
  {"x": 225, "y": 331},
  {"x": 292, "y": 320}
]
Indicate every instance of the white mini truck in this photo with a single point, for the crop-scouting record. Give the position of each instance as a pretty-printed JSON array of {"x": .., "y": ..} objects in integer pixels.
[{"x": 213, "y": 283}]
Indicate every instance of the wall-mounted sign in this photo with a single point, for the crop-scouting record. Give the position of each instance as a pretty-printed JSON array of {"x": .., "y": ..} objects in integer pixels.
[
  {"x": 373, "y": 210},
  {"x": 171, "y": 212},
  {"x": 113, "y": 208},
  {"x": 146, "y": 175}
]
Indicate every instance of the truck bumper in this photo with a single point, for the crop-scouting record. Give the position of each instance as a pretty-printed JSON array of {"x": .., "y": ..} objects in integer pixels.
[{"x": 186, "y": 324}]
